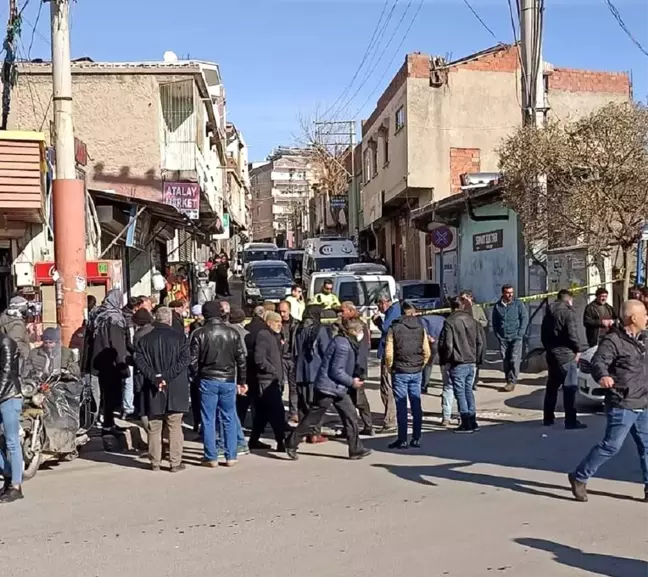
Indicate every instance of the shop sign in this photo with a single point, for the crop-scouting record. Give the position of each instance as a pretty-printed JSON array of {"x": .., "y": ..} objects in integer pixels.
[
  {"x": 488, "y": 240},
  {"x": 184, "y": 197}
]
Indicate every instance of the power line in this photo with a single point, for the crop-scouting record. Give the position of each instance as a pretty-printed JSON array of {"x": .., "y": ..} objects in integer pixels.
[
  {"x": 34, "y": 29},
  {"x": 617, "y": 16},
  {"x": 372, "y": 65},
  {"x": 481, "y": 21},
  {"x": 409, "y": 28},
  {"x": 391, "y": 38},
  {"x": 364, "y": 59}
]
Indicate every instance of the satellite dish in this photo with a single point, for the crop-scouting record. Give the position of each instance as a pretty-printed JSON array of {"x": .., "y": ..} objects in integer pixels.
[{"x": 170, "y": 56}]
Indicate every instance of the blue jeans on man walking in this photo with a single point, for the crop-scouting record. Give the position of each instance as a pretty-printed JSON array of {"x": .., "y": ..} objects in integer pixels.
[
  {"x": 620, "y": 422},
  {"x": 11, "y": 459},
  {"x": 241, "y": 443},
  {"x": 408, "y": 385},
  {"x": 218, "y": 397},
  {"x": 462, "y": 378}
]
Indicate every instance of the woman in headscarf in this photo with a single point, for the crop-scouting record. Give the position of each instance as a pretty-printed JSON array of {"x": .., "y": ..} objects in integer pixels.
[
  {"x": 310, "y": 343},
  {"x": 106, "y": 353}
]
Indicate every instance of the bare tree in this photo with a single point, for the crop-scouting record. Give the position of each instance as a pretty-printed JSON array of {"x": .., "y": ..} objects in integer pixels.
[
  {"x": 584, "y": 182},
  {"x": 330, "y": 153}
]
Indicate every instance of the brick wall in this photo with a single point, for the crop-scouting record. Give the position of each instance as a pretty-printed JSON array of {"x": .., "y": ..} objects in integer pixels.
[
  {"x": 572, "y": 80},
  {"x": 462, "y": 161},
  {"x": 501, "y": 60},
  {"x": 416, "y": 65}
]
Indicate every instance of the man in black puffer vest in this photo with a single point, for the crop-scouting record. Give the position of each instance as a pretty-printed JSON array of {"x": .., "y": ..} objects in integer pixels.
[{"x": 407, "y": 352}]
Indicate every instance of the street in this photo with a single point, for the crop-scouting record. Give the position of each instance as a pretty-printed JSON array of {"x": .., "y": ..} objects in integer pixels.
[{"x": 491, "y": 503}]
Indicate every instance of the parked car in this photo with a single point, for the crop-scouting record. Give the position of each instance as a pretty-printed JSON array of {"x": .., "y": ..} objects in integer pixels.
[
  {"x": 589, "y": 391},
  {"x": 423, "y": 294},
  {"x": 366, "y": 268},
  {"x": 266, "y": 280}
]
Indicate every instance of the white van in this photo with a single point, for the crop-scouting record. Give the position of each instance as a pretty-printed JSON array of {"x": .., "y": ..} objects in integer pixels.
[
  {"x": 361, "y": 289},
  {"x": 326, "y": 254}
]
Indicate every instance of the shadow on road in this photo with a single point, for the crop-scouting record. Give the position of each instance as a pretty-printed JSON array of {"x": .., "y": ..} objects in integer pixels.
[
  {"x": 594, "y": 563},
  {"x": 523, "y": 445}
]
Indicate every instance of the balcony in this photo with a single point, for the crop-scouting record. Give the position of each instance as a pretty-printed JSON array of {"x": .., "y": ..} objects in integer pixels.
[{"x": 21, "y": 181}]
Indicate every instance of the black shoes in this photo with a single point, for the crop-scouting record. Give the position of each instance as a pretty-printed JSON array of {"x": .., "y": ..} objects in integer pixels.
[
  {"x": 578, "y": 488},
  {"x": 415, "y": 444},
  {"x": 11, "y": 494},
  {"x": 181, "y": 467},
  {"x": 361, "y": 455},
  {"x": 368, "y": 432},
  {"x": 259, "y": 446},
  {"x": 468, "y": 425},
  {"x": 292, "y": 453},
  {"x": 400, "y": 445}
]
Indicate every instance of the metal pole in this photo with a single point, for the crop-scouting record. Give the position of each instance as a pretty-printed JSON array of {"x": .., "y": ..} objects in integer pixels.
[
  {"x": 532, "y": 65},
  {"x": 68, "y": 193}
]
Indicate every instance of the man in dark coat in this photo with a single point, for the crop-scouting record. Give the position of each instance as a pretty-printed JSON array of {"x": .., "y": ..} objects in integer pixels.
[
  {"x": 106, "y": 353},
  {"x": 559, "y": 334},
  {"x": 178, "y": 311},
  {"x": 253, "y": 328},
  {"x": 599, "y": 317},
  {"x": 288, "y": 328},
  {"x": 461, "y": 348},
  {"x": 163, "y": 358},
  {"x": 620, "y": 366},
  {"x": 143, "y": 323},
  {"x": 268, "y": 404},
  {"x": 334, "y": 381}
]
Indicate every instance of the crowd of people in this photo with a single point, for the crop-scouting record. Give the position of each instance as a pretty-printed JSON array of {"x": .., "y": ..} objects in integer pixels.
[{"x": 159, "y": 363}]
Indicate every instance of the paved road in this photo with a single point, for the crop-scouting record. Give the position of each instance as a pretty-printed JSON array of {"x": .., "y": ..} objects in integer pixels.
[{"x": 493, "y": 503}]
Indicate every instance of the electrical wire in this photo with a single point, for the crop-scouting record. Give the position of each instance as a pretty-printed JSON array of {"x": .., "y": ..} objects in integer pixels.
[
  {"x": 617, "y": 16},
  {"x": 370, "y": 46},
  {"x": 34, "y": 29},
  {"x": 380, "y": 80},
  {"x": 372, "y": 62},
  {"x": 481, "y": 21},
  {"x": 384, "y": 50}
]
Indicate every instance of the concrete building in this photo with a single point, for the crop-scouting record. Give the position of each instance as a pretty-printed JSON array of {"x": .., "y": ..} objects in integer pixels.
[
  {"x": 238, "y": 200},
  {"x": 281, "y": 189},
  {"x": 438, "y": 120},
  {"x": 155, "y": 133}
]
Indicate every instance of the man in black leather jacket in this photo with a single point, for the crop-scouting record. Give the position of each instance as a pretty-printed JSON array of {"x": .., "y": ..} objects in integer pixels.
[
  {"x": 11, "y": 460},
  {"x": 218, "y": 361}
]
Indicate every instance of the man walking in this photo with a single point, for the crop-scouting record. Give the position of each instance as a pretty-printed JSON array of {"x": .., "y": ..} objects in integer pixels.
[
  {"x": 599, "y": 317},
  {"x": 407, "y": 352},
  {"x": 334, "y": 380},
  {"x": 510, "y": 321},
  {"x": 620, "y": 366},
  {"x": 218, "y": 361},
  {"x": 392, "y": 311},
  {"x": 162, "y": 357},
  {"x": 11, "y": 457},
  {"x": 288, "y": 328},
  {"x": 461, "y": 348},
  {"x": 268, "y": 407},
  {"x": 480, "y": 316},
  {"x": 559, "y": 334},
  {"x": 254, "y": 327}
]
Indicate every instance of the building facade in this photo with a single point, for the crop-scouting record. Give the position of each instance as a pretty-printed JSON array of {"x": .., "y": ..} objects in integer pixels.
[
  {"x": 281, "y": 193},
  {"x": 156, "y": 166},
  {"x": 438, "y": 120},
  {"x": 238, "y": 199}
]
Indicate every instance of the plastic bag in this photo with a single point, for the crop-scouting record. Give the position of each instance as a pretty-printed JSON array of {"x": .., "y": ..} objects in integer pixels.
[{"x": 62, "y": 410}]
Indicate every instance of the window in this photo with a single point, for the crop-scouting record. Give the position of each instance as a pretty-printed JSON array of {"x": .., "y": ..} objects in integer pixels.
[
  {"x": 362, "y": 293},
  {"x": 400, "y": 118},
  {"x": 366, "y": 165},
  {"x": 374, "y": 157},
  {"x": 385, "y": 148}
]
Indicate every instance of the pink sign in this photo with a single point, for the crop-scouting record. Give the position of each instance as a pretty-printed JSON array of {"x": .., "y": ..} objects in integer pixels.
[{"x": 184, "y": 197}]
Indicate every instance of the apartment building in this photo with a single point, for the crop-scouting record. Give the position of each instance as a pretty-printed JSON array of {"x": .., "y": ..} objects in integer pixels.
[{"x": 440, "y": 119}]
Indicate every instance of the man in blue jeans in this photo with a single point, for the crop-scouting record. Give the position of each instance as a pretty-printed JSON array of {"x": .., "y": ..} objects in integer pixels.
[
  {"x": 461, "y": 347},
  {"x": 11, "y": 459},
  {"x": 218, "y": 362},
  {"x": 407, "y": 352},
  {"x": 620, "y": 365},
  {"x": 510, "y": 322}
]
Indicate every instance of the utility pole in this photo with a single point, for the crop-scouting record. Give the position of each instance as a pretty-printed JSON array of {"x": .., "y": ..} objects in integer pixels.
[
  {"x": 533, "y": 94},
  {"x": 68, "y": 192}
]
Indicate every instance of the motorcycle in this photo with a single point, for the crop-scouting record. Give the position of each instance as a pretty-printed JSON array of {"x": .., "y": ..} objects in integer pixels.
[{"x": 56, "y": 417}]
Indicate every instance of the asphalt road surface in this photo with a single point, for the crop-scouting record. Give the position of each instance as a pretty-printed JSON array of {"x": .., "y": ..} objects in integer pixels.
[{"x": 492, "y": 503}]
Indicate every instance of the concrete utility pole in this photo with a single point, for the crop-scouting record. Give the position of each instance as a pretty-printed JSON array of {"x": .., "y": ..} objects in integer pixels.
[
  {"x": 533, "y": 95},
  {"x": 68, "y": 193}
]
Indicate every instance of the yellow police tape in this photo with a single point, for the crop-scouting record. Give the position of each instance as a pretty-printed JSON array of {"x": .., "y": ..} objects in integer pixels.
[{"x": 526, "y": 299}]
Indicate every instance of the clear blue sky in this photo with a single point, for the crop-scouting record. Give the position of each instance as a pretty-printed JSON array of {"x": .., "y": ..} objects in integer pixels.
[{"x": 280, "y": 58}]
